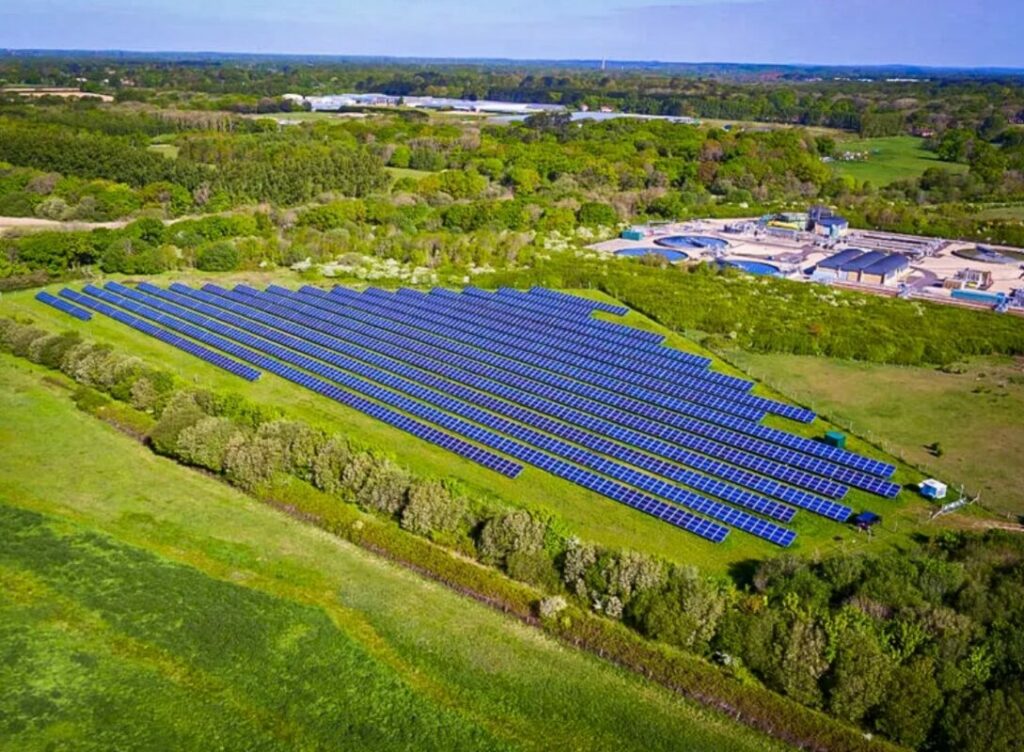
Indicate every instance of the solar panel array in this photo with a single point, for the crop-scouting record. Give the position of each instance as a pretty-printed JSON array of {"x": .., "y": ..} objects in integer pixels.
[
  {"x": 62, "y": 305},
  {"x": 509, "y": 378}
]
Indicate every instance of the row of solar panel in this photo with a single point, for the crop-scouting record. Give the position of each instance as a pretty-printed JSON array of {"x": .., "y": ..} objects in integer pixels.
[
  {"x": 463, "y": 386},
  {"x": 621, "y": 493},
  {"x": 463, "y": 448},
  {"x": 62, "y": 305},
  {"x": 623, "y": 358},
  {"x": 686, "y": 388},
  {"x": 813, "y": 447},
  {"x": 595, "y": 329},
  {"x": 229, "y": 365},
  {"x": 805, "y": 460},
  {"x": 397, "y": 378},
  {"x": 594, "y": 305},
  {"x": 550, "y": 386},
  {"x": 304, "y": 326}
]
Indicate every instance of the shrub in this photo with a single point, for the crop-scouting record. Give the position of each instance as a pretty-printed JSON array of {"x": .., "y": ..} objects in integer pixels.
[
  {"x": 432, "y": 509},
  {"x": 205, "y": 443},
  {"x": 384, "y": 489},
  {"x": 181, "y": 412},
  {"x": 329, "y": 464},
  {"x": 220, "y": 256},
  {"x": 515, "y": 532}
]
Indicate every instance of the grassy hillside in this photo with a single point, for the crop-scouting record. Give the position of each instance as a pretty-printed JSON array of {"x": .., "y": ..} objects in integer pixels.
[
  {"x": 974, "y": 415},
  {"x": 588, "y": 515},
  {"x": 148, "y": 606},
  {"x": 890, "y": 159}
]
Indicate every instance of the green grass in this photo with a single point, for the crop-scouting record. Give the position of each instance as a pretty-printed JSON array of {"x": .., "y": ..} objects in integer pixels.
[
  {"x": 146, "y": 606},
  {"x": 1011, "y": 213},
  {"x": 168, "y": 150},
  {"x": 975, "y": 416},
  {"x": 890, "y": 159},
  {"x": 586, "y": 514},
  {"x": 397, "y": 173}
]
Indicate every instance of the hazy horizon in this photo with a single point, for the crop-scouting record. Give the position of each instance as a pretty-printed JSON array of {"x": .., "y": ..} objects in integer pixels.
[{"x": 941, "y": 33}]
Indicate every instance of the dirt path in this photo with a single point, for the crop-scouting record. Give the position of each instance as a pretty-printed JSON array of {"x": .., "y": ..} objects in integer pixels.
[{"x": 34, "y": 223}]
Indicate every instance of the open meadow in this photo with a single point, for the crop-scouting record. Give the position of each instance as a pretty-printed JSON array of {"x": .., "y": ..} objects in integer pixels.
[
  {"x": 890, "y": 159},
  {"x": 148, "y": 606}
]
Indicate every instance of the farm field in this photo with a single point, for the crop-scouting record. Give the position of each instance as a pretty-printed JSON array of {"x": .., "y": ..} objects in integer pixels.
[
  {"x": 588, "y": 515},
  {"x": 147, "y": 606},
  {"x": 890, "y": 159},
  {"x": 975, "y": 415}
]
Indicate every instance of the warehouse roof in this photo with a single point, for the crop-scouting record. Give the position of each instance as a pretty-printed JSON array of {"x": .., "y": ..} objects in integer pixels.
[
  {"x": 894, "y": 263},
  {"x": 862, "y": 262},
  {"x": 834, "y": 262},
  {"x": 832, "y": 221}
]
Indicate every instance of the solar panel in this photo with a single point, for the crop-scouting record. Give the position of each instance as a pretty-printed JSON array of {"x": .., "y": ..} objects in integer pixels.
[
  {"x": 273, "y": 364},
  {"x": 483, "y": 435},
  {"x": 545, "y": 294},
  {"x": 62, "y": 305},
  {"x": 467, "y": 388},
  {"x": 512, "y": 378},
  {"x": 458, "y": 407}
]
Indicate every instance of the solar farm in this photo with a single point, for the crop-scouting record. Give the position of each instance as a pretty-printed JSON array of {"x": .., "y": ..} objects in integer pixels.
[{"x": 510, "y": 379}]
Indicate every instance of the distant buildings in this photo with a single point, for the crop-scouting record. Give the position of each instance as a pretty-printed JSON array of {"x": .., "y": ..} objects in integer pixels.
[
  {"x": 334, "y": 102},
  {"x": 871, "y": 267}
]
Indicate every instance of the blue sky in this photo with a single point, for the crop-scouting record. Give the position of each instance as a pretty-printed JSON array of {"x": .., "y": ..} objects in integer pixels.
[{"x": 926, "y": 32}]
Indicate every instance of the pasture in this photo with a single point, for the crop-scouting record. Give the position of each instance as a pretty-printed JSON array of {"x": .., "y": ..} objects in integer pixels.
[
  {"x": 890, "y": 159},
  {"x": 148, "y": 606}
]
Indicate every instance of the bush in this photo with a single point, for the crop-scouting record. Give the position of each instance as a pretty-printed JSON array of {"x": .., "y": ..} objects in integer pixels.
[
  {"x": 329, "y": 464},
  {"x": 220, "y": 256},
  {"x": 515, "y": 532},
  {"x": 181, "y": 412},
  {"x": 384, "y": 489},
  {"x": 206, "y": 443},
  {"x": 432, "y": 509}
]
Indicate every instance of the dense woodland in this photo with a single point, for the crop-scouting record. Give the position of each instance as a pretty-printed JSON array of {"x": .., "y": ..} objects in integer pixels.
[{"x": 922, "y": 645}]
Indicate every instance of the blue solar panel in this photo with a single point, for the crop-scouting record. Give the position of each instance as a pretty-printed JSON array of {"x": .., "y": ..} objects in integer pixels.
[
  {"x": 620, "y": 493},
  {"x": 222, "y": 339},
  {"x": 534, "y": 377},
  {"x": 249, "y": 374},
  {"x": 63, "y": 306},
  {"x": 453, "y": 406},
  {"x": 462, "y": 385}
]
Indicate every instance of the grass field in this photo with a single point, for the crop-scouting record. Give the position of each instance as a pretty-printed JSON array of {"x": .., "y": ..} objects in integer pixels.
[
  {"x": 146, "y": 606},
  {"x": 890, "y": 159},
  {"x": 406, "y": 172},
  {"x": 168, "y": 150},
  {"x": 976, "y": 416},
  {"x": 1002, "y": 212},
  {"x": 588, "y": 515}
]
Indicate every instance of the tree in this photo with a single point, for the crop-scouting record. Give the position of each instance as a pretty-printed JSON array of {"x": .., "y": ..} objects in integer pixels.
[
  {"x": 220, "y": 256},
  {"x": 911, "y": 703},
  {"x": 431, "y": 508},
  {"x": 514, "y": 532}
]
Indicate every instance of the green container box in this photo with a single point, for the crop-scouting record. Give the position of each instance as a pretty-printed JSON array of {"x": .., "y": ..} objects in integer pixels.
[{"x": 836, "y": 439}]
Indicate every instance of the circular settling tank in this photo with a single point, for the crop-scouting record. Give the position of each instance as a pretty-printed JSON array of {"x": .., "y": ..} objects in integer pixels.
[
  {"x": 668, "y": 253},
  {"x": 700, "y": 242},
  {"x": 753, "y": 267}
]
